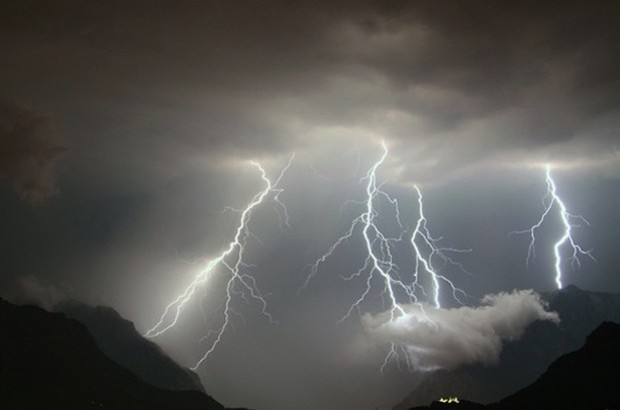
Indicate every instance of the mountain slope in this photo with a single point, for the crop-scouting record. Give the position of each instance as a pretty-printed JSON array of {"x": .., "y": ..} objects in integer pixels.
[
  {"x": 585, "y": 379},
  {"x": 119, "y": 340},
  {"x": 50, "y": 361},
  {"x": 526, "y": 359},
  {"x": 446, "y": 384}
]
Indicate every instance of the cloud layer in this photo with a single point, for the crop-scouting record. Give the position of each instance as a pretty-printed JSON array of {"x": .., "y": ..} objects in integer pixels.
[
  {"x": 448, "y": 338},
  {"x": 451, "y": 86}
]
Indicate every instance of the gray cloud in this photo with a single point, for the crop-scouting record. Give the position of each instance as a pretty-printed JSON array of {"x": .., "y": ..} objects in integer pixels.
[
  {"x": 31, "y": 290},
  {"x": 452, "y": 86},
  {"x": 447, "y": 338},
  {"x": 28, "y": 151}
]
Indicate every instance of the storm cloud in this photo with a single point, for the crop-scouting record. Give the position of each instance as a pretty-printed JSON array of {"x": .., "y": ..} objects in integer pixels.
[{"x": 453, "y": 86}]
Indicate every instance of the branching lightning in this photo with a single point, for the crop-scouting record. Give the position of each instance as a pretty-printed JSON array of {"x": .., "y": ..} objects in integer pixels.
[
  {"x": 435, "y": 251},
  {"x": 231, "y": 260},
  {"x": 399, "y": 287},
  {"x": 552, "y": 200}
]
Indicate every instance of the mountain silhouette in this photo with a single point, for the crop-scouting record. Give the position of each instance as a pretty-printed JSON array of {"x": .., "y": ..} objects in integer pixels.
[
  {"x": 522, "y": 361},
  {"x": 588, "y": 378},
  {"x": 50, "y": 361},
  {"x": 585, "y": 379},
  {"x": 118, "y": 339}
]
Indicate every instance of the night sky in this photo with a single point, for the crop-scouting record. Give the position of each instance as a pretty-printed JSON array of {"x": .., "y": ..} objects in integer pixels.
[{"x": 127, "y": 131}]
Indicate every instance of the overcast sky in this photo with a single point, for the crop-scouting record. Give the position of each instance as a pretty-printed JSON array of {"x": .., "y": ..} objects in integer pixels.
[{"x": 127, "y": 131}]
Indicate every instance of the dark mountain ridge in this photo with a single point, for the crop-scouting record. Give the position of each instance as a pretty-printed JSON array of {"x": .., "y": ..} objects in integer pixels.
[
  {"x": 588, "y": 378},
  {"x": 50, "y": 361},
  {"x": 119, "y": 340},
  {"x": 524, "y": 360},
  {"x": 585, "y": 379}
]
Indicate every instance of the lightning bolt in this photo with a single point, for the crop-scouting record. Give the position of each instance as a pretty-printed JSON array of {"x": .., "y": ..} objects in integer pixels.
[
  {"x": 232, "y": 261},
  {"x": 552, "y": 200},
  {"x": 398, "y": 287},
  {"x": 422, "y": 232},
  {"x": 379, "y": 255}
]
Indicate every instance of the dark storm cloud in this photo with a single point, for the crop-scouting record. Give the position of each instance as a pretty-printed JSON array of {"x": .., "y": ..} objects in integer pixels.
[
  {"x": 453, "y": 85},
  {"x": 512, "y": 81},
  {"x": 28, "y": 151}
]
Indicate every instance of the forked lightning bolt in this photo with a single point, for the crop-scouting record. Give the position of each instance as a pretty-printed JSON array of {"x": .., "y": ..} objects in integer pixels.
[
  {"x": 552, "y": 200},
  {"x": 379, "y": 255},
  {"x": 232, "y": 261},
  {"x": 399, "y": 287},
  {"x": 422, "y": 232}
]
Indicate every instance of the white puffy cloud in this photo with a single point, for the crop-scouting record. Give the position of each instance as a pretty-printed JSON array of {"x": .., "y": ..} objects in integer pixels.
[{"x": 446, "y": 338}]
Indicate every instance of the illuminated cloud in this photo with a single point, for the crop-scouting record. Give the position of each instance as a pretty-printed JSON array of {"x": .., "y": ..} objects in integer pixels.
[{"x": 447, "y": 338}]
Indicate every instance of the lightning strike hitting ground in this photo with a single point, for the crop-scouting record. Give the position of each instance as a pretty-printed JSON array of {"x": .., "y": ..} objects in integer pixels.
[
  {"x": 400, "y": 287},
  {"x": 551, "y": 200},
  {"x": 231, "y": 260}
]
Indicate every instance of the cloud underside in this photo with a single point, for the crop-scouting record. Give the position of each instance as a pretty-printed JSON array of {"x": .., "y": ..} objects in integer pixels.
[
  {"x": 450, "y": 86},
  {"x": 448, "y": 338}
]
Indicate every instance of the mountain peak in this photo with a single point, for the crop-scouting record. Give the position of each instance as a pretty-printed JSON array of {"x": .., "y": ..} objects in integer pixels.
[
  {"x": 571, "y": 289},
  {"x": 118, "y": 338},
  {"x": 51, "y": 361},
  {"x": 583, "y": 379},
  {"x": 606, "y": 333},
  {"x": 581, "y": 313}
]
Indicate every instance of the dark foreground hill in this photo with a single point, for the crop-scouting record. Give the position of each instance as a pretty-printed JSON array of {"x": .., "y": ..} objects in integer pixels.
[
  {"x": 524, "y": 360},
  {"x": 586, "y": 379},
  {"x": 119, "y": 340},
  {"x": 50, "y": 361}
]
